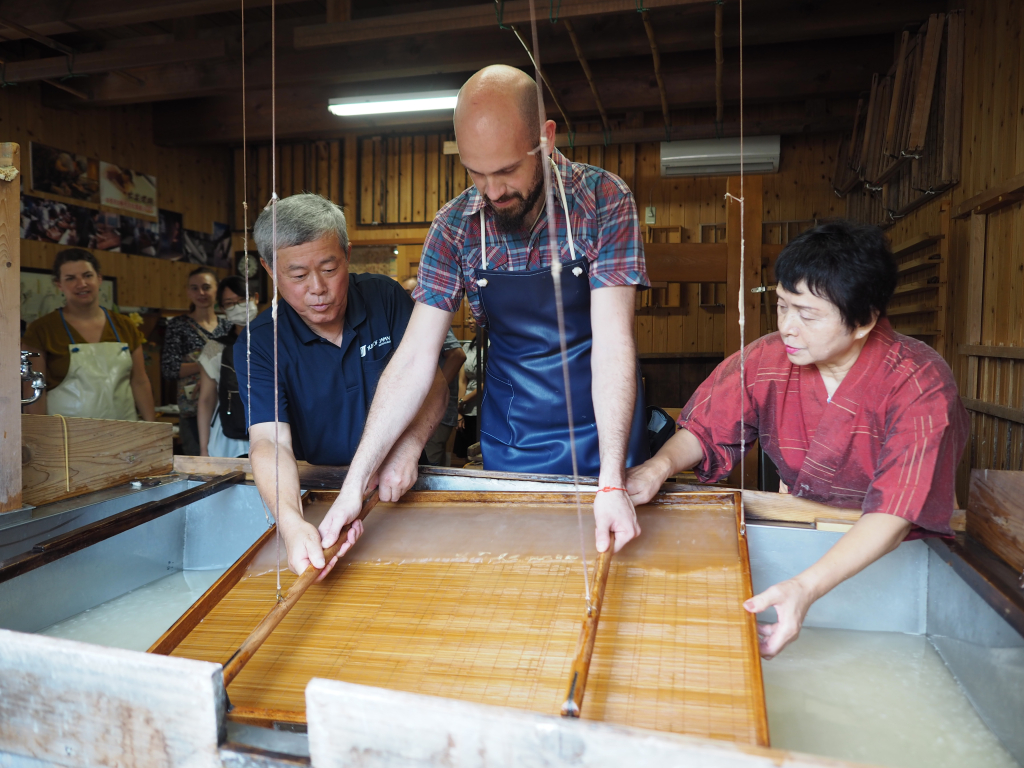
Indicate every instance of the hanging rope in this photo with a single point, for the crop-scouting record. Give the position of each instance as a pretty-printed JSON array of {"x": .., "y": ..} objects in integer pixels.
[
  {"x": 245, "y": 244},
  {"x": 273, "y": 213},
  {"x": 556, "y": 274}
]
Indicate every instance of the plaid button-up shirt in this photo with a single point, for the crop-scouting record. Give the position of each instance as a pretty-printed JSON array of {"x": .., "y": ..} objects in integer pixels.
[{"x": 605, "y": 231}]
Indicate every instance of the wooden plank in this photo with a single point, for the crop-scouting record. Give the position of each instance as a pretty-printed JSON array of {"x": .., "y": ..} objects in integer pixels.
[
  {"x": 80, "y": 538},
  {"x": 981, "y": 350},
  {"x": 101, "y": 61},
  {"x": 753, "y": 208},
  {"x": 898, "y": 86},
  {"x": 783, "y": 507},
  {"x": 914, "y": 265},
  {"x": 912, "y": 309},
  {"x": 953, "y": 116},
  {"x": 975, "y": 294},
  {"x": 453, "y": 19},
  {"x": 995, "y": 516},
  {"x": 335, "y": 190},
  {"x": 64, "y": 703},
  {"x": 462, "y": 731},
  {"x": 926, "y": 82},
  {"x": 915, "y": 244},
  {"x": 991, "y": 409},
  {"x": 998, "y": 196},
  {"x": 687, "y": 262},
  {"x": 931, "y": 284},
  {"x": 10, "y": 331},
  {"x": 101, "y": 453}
]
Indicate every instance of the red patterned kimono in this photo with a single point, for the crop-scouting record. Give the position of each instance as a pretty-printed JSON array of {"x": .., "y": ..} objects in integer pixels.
[{"x": 889, "y": 441}]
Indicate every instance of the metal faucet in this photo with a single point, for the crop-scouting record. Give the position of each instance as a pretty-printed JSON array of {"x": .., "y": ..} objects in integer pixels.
[{"x": 27, "y": 374}]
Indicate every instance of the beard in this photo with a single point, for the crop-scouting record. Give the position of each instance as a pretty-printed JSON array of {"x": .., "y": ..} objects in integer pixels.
[{"x": 511, "y": 219}]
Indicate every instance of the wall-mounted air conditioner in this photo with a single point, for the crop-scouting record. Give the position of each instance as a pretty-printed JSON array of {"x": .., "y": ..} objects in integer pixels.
[{"x": 720, "y": 157}]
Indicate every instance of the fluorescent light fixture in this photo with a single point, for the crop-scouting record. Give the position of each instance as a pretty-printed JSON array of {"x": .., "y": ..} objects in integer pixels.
[{"x": 396, "y": 102}]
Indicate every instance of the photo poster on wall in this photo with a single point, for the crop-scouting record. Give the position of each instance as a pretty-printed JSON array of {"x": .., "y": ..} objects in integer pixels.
[
  {"x": 127, "y": 190},
  {"x": 172, "y": 232},
  {"x": 60, "y": 172},
  {"x": 70, "y": 225},
  {"x": 139, "y": 237},
  {"x": 39, "y": 294},
  {"x": 211, "y": 250}
]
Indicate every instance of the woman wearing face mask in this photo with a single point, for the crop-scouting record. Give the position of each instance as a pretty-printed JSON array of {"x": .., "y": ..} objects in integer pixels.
[
  {"x": 91, "y": 357},
  {"x": 220, "y": 412},
  {"x": 185, "y": 338}
]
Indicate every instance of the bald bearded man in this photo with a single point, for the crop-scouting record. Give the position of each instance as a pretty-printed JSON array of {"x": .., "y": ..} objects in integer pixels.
[{"x": 491, "y": 244}]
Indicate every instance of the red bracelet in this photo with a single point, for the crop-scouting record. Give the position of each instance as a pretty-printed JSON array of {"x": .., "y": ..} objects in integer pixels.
[{"x": 609, "y": 488}]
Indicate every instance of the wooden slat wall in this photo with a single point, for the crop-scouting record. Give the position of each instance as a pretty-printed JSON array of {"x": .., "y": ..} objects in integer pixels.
[
  {"x": 193, "y": 181},
  {"x": 991, "y": 152}
]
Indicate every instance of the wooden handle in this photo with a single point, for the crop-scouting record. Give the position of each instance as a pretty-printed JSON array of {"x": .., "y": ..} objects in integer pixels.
[
  {"x": 763, "y": 505},
  {"x": 588, "y": 632},
  {"x": 253, "y": 642}
]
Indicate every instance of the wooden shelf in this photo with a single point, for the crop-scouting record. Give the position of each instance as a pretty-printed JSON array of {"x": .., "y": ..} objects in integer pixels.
[
  {"x": 1009, "y": 192},
  {"x": 918, "y": 330},
  {"x": 915, "y": 244},
  {"x": 911, "y": 309},
  {"x": 922, "y": 263},
  {"x": 979, "y": 350},
  {"x": 918, "y": 286}
]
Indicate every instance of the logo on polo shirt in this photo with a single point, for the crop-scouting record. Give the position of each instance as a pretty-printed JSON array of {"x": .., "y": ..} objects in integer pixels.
[{"x": 363, "y": 349}]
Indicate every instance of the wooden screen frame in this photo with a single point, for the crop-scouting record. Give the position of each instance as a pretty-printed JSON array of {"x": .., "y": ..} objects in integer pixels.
[{"x": 268, "y": 718}]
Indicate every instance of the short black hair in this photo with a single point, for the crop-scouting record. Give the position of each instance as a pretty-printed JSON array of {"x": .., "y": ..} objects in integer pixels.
[
  {"x": 846, "y": 263},
  {"x": 233, "y": 282},
  {"x": 73, "y": 254}
]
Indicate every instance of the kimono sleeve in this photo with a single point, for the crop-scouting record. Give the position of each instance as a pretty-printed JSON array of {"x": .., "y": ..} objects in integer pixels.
[
  {"x": 713, "y": 415},
  {"x": 926, "y": 432}
]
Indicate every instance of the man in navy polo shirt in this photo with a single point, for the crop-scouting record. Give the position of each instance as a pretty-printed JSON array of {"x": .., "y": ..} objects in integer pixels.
[{"x": 336, "y": 333}]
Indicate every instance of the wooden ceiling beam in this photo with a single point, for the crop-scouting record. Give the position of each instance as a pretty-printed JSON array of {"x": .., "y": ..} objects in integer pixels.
[
  {"x": 55, "y": 17},
  {"x": 826, "y": 69},
  {"x": 480, "y": 16},
  {"x": 113, "y": 59}
]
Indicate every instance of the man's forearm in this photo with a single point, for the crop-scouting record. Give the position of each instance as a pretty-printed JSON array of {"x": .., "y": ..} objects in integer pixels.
[
  {"x": 614, "y": 393},
  {"x": 401, "y": 391},
  {"x": 429, "y": 416},
  {"x": 261, "y": 455}
]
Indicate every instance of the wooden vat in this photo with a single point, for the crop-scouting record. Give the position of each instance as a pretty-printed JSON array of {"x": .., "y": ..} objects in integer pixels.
[{"x": 479, "y": 596}]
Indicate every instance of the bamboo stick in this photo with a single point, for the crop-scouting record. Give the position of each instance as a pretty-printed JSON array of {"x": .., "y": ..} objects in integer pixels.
[
  {"x": 590, "y": 75},
  {"x": 253, "y": 642},
  {"x": 588, "y": 633},
  {"x": 656, "y": 55}
]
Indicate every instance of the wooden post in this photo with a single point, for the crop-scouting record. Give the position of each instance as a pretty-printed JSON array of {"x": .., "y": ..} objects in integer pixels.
[
  {"x": 339, "y": 10},
  {"x": 10, "y": 330}
]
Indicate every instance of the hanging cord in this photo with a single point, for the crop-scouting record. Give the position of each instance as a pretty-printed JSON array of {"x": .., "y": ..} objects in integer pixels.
[
  {"x": 556, "y": 274},
  {"x": 245, "y": 245},
  {"x": 743, "y": 307},
  {"x": 273, "y": 215},
  {"x": 67, "y": 462}
]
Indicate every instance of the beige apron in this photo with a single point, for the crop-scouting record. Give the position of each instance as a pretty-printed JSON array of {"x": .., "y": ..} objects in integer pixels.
[{"x": 98, "y": 384}]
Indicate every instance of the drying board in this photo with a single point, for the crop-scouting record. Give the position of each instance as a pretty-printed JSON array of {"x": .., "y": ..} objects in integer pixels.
[{"x": 479, "y": 596}]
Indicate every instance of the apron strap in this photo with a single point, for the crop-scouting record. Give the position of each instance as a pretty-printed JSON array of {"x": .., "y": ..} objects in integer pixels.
[
  {"x": 70, "y": 337},
  {"x": 565, "y": 207},
  {"x": 117, "y": 336}
]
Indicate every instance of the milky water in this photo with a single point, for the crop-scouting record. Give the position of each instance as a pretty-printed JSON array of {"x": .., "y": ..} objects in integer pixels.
[
  {"x": 137, "y": 619},
  {"x": 875, "y": 697}
]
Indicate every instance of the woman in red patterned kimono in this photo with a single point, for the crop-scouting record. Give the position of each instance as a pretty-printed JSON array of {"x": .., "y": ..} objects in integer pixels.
[{"x": 853, "y": 414}]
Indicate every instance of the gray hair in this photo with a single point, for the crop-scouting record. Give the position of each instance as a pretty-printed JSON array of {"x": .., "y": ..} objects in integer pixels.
[{"x": 302, "y": 218}]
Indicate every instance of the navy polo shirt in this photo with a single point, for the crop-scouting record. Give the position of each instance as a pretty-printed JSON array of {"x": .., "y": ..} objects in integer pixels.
[{"x": 325, "y": 391}]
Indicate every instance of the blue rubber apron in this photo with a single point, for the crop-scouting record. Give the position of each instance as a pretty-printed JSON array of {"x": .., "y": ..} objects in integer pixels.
[{"x": 524, "y": 423}]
